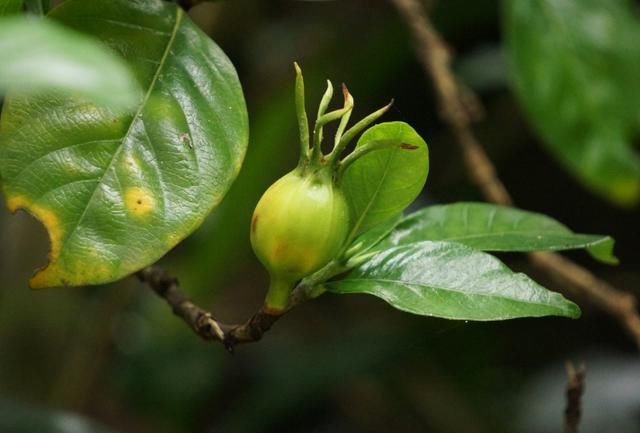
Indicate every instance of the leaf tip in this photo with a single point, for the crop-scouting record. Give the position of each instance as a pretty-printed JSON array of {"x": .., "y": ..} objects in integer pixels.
[
  {"x": 572, "y": 311},
  {"x": 603, "y": 251},
  {"x": 348, "y": 98}
]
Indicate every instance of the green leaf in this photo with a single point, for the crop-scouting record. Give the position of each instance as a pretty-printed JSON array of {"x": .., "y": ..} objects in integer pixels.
[
  {"x": 383, "y": 183},
  {"x": 9, "y": 7},
  {"x": 575, "y": 68},
  {"x": 452, "y": 281},
  {"x": 489, "y": 227},
  {"x": 39, "y": 55},
  {"x": 369, "y": 239},
  {"x": 118, "y": 189}
]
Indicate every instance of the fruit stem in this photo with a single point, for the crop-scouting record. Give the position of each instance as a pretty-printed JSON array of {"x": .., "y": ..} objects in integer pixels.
[
  {"x": 277, "y": 299},
  {"x": 303, "y": 121}
]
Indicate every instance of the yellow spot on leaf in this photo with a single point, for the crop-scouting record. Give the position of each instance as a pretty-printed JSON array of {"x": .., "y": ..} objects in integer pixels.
[{"x": 139, "y": 201}]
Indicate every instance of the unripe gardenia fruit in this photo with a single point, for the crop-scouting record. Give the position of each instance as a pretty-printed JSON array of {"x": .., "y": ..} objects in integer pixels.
[{"x": 300, "y": 224}]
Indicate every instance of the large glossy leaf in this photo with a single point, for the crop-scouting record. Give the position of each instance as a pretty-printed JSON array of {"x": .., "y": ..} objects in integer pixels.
[
  {"x": 39, "y": 55},
  {"x": 452, "y": 281},
  {"x": 117, "y": 189},
  {"x": 383, "y": 183},
  {"x": 489, "y": 227},
  {"x": 575, "y": 67}
]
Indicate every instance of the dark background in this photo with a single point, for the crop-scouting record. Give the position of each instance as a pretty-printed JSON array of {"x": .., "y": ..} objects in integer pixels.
[{"x": 339, "y": 364}]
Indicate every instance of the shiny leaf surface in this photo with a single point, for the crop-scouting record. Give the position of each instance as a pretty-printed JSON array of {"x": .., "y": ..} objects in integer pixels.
[
  {"x": 489, "y": 227},
  {"x": 383, "y": 183},
  {"x": 372, "y": 237},
  {"x": 452, "y": 281},
  {"x": 117, "y": 189}
]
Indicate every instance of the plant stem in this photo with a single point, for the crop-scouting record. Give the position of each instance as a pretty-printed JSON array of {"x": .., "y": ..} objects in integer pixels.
[
  {"x": 207, "y": 327},
  {"x": 277, "y": 299}
]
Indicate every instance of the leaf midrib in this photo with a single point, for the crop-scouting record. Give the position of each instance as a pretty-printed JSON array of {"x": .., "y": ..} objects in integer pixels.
[
  {"x": 375, "y": 194},
  {"x": 163, "y": 61},
  {"x": 522, "y": 233},
  {"x": 444, "y": 289}
]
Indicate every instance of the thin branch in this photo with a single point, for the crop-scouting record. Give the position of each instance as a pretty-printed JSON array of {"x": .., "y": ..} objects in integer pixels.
[
  {"x": 202, "y": 321},
  {"x": 575, "y": 389},
  {"x": 453, "y": 101}
]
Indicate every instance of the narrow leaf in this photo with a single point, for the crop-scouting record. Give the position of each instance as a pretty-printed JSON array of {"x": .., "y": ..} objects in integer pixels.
[
  {"x": 452, "y": 281},
  {"x": 489, "y": 227},
  {"x": 381, "y": 184},
  {"x": 40, "y": 55},
  {"x": 116, "y": 190}
]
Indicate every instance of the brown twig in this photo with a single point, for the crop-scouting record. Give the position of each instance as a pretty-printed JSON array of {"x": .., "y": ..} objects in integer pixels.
[
  {"x": 575, "y": 389},
  {"x": 435, "y": 57},
  {"x": 202, "y": 321}
]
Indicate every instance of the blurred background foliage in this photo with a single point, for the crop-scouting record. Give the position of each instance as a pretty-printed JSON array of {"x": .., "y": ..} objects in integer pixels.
[{"x": 113, "y": 358}]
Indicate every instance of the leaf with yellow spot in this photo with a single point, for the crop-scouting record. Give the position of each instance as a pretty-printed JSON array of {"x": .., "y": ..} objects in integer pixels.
[{"x": 116, "y": 189}]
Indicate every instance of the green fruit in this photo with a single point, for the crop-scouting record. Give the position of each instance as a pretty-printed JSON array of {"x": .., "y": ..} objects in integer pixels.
[{"x": 300, "y": 224}]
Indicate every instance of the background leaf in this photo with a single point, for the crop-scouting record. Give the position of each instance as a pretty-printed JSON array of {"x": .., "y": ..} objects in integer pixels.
[
  {"x": 575, "y": 70},
  {"x": 383, "y": 183},
  {"x": 10, "y": 7},
  {"x": 452, "y": 281},
  {"x": 40, "y": 55},
  {"x": 118, "y": 189},
  {"x": 489, "y": 227}
]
